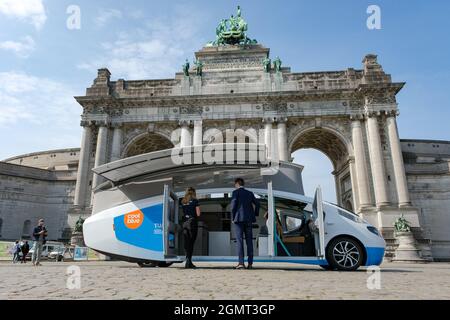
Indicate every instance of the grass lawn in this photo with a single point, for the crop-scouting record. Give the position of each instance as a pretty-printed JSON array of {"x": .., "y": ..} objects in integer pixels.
[
  {"x": 4, "y": 248},
  {"x": 6, "y": 245}
]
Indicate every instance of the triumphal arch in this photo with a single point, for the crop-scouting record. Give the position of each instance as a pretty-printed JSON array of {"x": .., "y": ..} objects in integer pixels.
[{"x": 234, "y": 83}]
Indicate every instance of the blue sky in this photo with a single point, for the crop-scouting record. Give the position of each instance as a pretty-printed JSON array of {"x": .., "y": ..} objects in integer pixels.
[{"x": 43, "y": 63}]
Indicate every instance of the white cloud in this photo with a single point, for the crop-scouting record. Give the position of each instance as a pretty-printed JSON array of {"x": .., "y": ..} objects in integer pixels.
[
  {"x": 31, "y": 11},
  {"x": 135, "y": 14},
  {"x": 21, "y": 48},
  {"x": 39, "y": 100},
  {"x": 36, "y": 113},
  {"x": 156, "y": 50},
  {"x": 106, "y": 15}
]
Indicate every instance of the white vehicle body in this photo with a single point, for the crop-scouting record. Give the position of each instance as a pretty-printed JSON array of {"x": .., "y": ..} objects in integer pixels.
[{"x": 136, "y": 217}]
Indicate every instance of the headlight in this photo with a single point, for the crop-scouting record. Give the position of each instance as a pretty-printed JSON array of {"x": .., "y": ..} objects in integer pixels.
[{"x": 374, "y": 230}]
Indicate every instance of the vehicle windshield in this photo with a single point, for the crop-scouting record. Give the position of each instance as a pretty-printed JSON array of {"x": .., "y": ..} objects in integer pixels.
[{"x": 347, "y": 214}]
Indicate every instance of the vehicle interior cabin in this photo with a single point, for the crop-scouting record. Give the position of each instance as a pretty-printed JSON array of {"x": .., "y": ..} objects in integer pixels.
[{"x": 216, "y": 236}]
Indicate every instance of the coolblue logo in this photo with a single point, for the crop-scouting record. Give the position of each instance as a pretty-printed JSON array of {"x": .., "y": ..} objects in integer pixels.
[{"x": 146, "y": 227}]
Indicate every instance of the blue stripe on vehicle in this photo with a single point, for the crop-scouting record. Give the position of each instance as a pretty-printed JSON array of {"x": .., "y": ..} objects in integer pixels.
[
  {"x": 260, "y": 259},
  {"x": 148, "y": 235},
  {"x": 374, "y": 256}
]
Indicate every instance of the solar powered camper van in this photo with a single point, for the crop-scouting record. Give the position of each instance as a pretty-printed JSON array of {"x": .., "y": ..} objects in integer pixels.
[{"x": 136, "y": 213}]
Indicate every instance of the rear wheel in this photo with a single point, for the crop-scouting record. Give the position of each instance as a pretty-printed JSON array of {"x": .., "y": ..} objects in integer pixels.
[
  {"x": 163, "y": 264},
  {"x": 152, "y": 264},
  {"x": 345, "y": 253}
]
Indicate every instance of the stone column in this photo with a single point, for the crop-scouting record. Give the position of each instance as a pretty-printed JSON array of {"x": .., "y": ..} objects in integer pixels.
[
  {"x": 397, "y": 159},
  {"x": 268, "y": 136},
  {"x": 83, "y": 166},
  {"x": 198, "y": 133},
  {"x": 377, "y": 161},
  {"x": 360, "y": 164},
  {"x": 116, "y": 142},
  {"x": 354, "y": 181},
  {"x": 185, "y": 139},
  {"x": 282, "y": 140},
  {"x": 100, "y": 151}
]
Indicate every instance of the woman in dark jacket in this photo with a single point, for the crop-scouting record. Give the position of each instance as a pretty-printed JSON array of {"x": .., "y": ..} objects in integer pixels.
[
  {"x": 25, "y": 249},
  {"x": 191, "y": 211}
]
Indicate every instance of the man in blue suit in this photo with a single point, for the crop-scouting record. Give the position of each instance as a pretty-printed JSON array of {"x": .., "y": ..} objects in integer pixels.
[{"x": 244, "y": 209}]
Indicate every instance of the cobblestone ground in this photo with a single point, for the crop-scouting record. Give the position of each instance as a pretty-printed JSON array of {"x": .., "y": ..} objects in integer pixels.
[{"x": 120, "y": 280}]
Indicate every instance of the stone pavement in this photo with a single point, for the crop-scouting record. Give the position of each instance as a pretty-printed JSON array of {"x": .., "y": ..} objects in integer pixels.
[{"x": 121, "y": 280}]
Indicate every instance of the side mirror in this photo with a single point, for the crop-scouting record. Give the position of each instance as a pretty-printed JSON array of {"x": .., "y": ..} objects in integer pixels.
[{"x": 292, "y": 224}]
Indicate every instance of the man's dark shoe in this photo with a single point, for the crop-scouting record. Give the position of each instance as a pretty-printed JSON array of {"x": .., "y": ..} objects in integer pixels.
[
  {"x": 239, "y": 266},
  {"x": 250, "y": 266}
]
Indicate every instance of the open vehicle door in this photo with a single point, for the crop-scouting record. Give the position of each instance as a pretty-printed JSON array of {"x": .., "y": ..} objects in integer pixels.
[
  {"x": 271, "y": 224},
  {"x": 318, "y": 217},
  {"x": 170, "y": 223}
]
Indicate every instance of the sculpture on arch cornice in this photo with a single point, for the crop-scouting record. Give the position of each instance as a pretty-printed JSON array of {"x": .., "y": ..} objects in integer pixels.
[
  {"x": 198, "y": 67},
  {"x": 186, "y": 68},
  {"x": 232, "y": 31},
  {"x": 266, "y": 64},
  {"x": 277, "y": 64}
]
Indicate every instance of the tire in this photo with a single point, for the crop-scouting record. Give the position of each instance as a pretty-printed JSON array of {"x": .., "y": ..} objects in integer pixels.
[
  {"x": 345, "y": 254},
  {"x": 147, "y": 264},
  {"x": 153, "y": 264},
  {"x": 163, "y": 264},
  {"x": 326, "y": 267}
]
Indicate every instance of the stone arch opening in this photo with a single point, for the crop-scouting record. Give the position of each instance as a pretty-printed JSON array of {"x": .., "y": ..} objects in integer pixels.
[
  {"x": 317, "y": 170},
  {"x": 145, "y": 143},
  {"x": 329, "y": 142},
  {"x": 26, "y": 230},
  {"x": 338, "y": 150}
]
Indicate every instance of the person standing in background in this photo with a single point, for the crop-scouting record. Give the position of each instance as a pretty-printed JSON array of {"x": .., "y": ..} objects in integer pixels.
[
  {"x": 191, "y": 212},
  {"x": 39, "y": 234},
  {"x": 244, "y": 209},
  {"x": 16, "y": 251},
  {"x": 25, "y": 249}
]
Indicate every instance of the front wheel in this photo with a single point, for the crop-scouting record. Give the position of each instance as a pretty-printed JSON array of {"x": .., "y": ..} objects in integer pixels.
[
  {"x": 344, "y": 253},
  {"x": 326, "y": 267}
]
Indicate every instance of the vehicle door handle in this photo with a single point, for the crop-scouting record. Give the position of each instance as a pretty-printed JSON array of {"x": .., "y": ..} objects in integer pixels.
[{"x": 329, "y": 223}]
